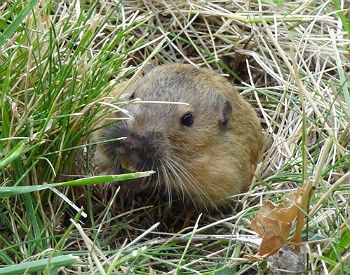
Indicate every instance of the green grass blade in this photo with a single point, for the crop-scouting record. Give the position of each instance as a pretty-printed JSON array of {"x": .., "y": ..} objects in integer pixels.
[
  {"x": 15, "y": 153},
  {"x": 19, "y": 19},
  {"x": 16, "y": 190},
  {"x": 342, "y": 246},
  {"x": 39, "y": 265}
]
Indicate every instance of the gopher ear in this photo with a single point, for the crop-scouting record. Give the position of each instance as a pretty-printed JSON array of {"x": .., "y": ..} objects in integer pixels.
[{"x": 225, "y": 111}]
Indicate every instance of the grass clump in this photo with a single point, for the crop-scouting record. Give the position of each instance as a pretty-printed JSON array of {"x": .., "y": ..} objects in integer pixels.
[
  {"x": 51, "y": 84},
  {"x": 59, "y": 61}
]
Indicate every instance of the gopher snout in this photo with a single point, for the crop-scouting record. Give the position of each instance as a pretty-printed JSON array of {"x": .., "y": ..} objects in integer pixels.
[{"x": 137, "y": 152}]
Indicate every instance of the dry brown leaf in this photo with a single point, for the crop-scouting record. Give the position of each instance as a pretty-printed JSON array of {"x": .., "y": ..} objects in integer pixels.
[{"x": 273, "y": 223}]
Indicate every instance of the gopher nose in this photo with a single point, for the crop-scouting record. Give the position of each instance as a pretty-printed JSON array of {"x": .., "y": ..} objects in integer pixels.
[
  {"x": 130, "y": 151},
  {"x": 133, "y": 142}
]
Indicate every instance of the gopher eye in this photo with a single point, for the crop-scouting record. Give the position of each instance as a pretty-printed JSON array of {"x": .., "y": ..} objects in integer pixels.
[
  {"x": 132, "y": 96},
  {"x": 187, "y": 119}
]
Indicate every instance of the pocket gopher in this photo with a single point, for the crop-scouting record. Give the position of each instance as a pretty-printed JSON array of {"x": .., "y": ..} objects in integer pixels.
[{"x": 204, "y": 150}]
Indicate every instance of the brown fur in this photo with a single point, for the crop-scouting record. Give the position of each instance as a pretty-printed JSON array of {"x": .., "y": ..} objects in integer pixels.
[{"x": 218, "y": 159}]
